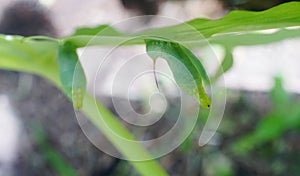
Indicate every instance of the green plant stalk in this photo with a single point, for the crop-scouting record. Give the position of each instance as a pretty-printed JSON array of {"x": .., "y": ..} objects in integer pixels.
[{"x": 104, "y": 120}]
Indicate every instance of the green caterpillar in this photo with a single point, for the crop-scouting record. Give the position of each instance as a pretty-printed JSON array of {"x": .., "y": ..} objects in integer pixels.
[
  {"x": 190, "y": 82},
  {"x": 71, "y": 74}
]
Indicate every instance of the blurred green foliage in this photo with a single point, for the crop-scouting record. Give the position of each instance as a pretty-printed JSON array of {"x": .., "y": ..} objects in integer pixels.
[
  {"x": 250, "y": 141},
  {"x": 284, "y": 115},
  {"x": 51, "y": 155}
]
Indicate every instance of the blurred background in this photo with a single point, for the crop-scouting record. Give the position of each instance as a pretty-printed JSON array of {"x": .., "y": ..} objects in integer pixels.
[{"x": 258, "y": 135}]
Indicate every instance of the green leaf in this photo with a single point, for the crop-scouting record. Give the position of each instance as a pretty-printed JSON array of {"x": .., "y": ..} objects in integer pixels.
[
  {"x": 37, "y": 57},
  {"x": 254, "y": 38},
  {"x": 186, "y": 68},
  {"x": 226, "y": 64},
  {"x": 71, "y": 74},
  {"x": 221, "y": 31},
  {"x": 278, "y": 95},
  {"x": 280, "y": 16}
]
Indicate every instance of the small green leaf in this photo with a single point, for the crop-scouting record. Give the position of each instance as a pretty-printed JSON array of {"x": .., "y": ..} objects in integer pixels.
[
  {"x": 71, "y": 74},
  {"x": 226, "y": 64},
  {"x": 278, "y": 95}
]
